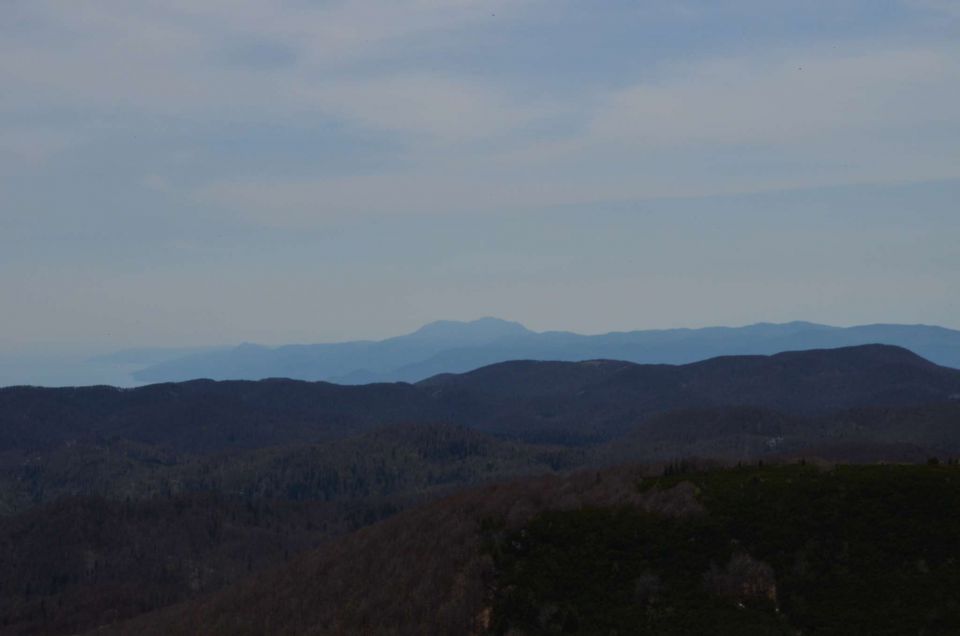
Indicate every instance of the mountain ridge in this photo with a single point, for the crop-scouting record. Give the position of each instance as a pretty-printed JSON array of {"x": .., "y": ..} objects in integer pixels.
[
  {"x": 544, "y": 401},
  {"x": 455, "y": 347},
  {"x": 172, "y": 491}
]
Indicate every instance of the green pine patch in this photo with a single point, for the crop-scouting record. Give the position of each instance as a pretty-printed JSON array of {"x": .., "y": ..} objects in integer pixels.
[{"x": 782, "y": 550}]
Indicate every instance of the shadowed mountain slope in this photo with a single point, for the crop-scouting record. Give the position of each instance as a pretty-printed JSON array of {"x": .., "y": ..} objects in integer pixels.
[
  {"x": 572, "y": 402},
  {"x": 113, "y": 537},
  {"x": 602, "y": 399},
  {"x": 422, "y": 571},
  {"x": 241, "y": 475},
  {"x": 748, "y": 433},
  {"x": 205, "y": 416}
]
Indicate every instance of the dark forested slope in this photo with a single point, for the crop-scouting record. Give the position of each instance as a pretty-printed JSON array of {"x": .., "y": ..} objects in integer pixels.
[
  {"x": 118, "y": 502},
  {"x": 770, "y": 550},
  {"x": 570, "y": 402},
  {"x": 205, "y": 416},
  {"x": 597, "y": 400},
  {"x": 104, "y": 533}
]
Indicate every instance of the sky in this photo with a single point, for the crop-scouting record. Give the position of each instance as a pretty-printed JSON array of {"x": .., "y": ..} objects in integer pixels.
[{"x": 181, "y": 173}]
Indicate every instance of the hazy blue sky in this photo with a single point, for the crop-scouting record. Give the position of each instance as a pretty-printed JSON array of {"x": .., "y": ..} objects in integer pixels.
[{"x": 175, "y": 172}]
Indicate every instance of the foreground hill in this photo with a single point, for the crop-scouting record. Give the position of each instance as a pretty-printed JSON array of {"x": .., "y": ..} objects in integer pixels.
[
  {"x": 98, "y": 533},
  {"x": 79, "y": 562},
  {"x": 556, "y": 402},
  {"x": 105, "y": 533},
  {"x": 118, "y": 502},
  {"x": 770, "y": 550},
  {"x": 456, "y": 347}
]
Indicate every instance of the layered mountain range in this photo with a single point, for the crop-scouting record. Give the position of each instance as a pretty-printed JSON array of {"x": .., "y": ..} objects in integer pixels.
[
  {"x": 116, "y": 503},
  {"x": 456, "y": 347},
  {"x": 556, "y": 402}
]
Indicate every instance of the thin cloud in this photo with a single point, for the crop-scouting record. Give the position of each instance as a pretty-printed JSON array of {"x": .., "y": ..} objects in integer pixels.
[
  {"x": 950, "y": 8},
  {"x": 234, "y": 130},
  {"x": 805, "y": 119},
  {"x": 802, "y": 95}
]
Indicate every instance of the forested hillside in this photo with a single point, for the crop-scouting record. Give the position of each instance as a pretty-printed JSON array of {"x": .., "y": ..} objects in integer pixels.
[
  {"x": 119, "y": 502},
  {"x": 564, "y": 402},
  {"x": 751, "y": 550}
]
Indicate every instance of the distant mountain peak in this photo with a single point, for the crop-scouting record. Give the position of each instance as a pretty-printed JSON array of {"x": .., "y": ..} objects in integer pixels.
[
  {"x": 486, "y": 328},
  {"x": 800, "y": 324}
]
